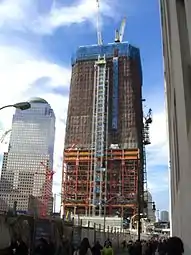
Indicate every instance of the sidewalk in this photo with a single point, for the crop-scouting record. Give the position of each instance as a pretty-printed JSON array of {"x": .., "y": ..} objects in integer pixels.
[{"x": 122, "y": 252}]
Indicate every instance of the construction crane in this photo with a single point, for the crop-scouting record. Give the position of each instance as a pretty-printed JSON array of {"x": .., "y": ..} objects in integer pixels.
[
  {"x": 4, "y": 136},
  {"x": 49, "y": 176},
  {"x": 74, "y": 145},
  {"x": 49, "y": 173},
  {"x": 120, "y": 33},
  {"x": 99, "y": 35},
  {"x": 147, "y": 121}
]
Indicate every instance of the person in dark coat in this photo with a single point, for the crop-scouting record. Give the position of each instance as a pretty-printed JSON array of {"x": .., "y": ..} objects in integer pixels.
[
  {"x": 21, "y": 248},
  {"x": 137, "y": 248},
  {"x": 174, "y": 246},
  {"x": 96, "y": 249},
  {"x": 130, "y": 248},
  {"x": 42, "y": 248}
]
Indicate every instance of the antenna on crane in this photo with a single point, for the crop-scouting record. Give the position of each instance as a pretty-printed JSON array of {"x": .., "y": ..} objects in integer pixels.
[
  {"x": 99, "y": 36},
  {"x": 53, "y": 5},
  {"x": 120, "y": 33}
]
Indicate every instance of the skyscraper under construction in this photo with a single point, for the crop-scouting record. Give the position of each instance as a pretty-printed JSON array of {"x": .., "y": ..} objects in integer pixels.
[{"x": 103, "y": 155}]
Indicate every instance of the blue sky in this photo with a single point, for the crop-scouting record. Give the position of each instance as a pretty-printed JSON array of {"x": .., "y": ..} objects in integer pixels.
[{"x": 37, "y": 40}]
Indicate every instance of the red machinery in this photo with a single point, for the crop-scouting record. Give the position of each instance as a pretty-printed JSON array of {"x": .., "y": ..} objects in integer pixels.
[{"x": 47, "y": 189}]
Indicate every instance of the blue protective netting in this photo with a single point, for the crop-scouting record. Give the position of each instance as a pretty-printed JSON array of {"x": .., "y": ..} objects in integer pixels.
[
  {"x": 115, "y": 94},
  {"x": 92, "y": 52}
]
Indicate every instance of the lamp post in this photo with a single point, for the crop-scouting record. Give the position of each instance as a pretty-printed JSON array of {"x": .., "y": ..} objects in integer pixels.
[
  {"x": 21, "y": 105},
  {"x": 132, "y": 219},
  {"x": 139, "y": 199},
  {"x": 153, "y": 207},
  {"x": 105, "y": 204}
]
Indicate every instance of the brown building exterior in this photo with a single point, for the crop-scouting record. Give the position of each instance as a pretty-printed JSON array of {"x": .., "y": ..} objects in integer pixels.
[{"x": 104, "y": 141}]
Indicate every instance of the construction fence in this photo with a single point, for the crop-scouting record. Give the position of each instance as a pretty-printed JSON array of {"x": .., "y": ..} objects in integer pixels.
[
  {"x": 96, "y": 233},
  {"x": 31, "y": 229}
]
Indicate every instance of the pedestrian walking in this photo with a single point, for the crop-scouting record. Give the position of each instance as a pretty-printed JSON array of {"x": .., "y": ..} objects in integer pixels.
[
  {"x": 107, "y": 250},
  {"x": 97, "y": 248},
  {"x": 84, "y": 248}
]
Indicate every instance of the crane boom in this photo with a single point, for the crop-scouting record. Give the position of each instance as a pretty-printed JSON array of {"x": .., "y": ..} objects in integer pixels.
[
  {"x": 120, "y": 33},
  {"x": 4, "y": 135},
  {"x": 99, "y": 36},
  {"x": 122, "y": 29}
]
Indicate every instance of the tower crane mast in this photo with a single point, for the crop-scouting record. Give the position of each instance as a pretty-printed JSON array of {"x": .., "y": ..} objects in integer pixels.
[
  {"x": 120, "y": 33},
  {"x": 147, "y": 121},
  {"x": 99, "y": 35},
  {"x": 122, "y": 29}
]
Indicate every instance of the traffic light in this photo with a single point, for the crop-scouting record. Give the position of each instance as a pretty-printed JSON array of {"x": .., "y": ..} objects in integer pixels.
[
  {"x": 145, "y": 204},
  {"x": 103, "y": 164},
  {"x": 154, "y": 207}
]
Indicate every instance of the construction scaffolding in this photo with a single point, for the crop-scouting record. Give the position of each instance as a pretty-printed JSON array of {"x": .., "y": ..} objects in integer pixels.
[
  {"x": 104, "y": 132},
  {"x": 77, "y": 182},
  {"x": 122, "y": 170},
  {"x": 124, "y": 81},
  {"x": 122, "y": 180},
  {"x": 99, "y": 131}
]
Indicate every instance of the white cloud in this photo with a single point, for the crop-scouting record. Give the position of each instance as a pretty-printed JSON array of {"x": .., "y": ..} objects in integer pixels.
[
  {"x": 19, "y": 69},
  {"x": 25, "y": 14},
  {"x": 157, "y": 153},
  {"x": 63, "y": 16},
  {"x": 158, "y": 184},
  {"x": 158, "y": 150},
  {"x": 158, "y": 156},
  {"x": 158, "y": 179},
  {"x": 17, "y": 14}
]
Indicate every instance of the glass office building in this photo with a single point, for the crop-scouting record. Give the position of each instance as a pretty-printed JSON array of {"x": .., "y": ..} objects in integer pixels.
[{"x": 26, "y": 170}]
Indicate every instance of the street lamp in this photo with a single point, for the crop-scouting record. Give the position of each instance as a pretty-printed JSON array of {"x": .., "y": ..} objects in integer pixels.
[
  {"x": 153, "y": 206},
  {"x": 105, "y": 204},
  {"x": 132, "y": 219},
  {"x": 21, "y": 105}
]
